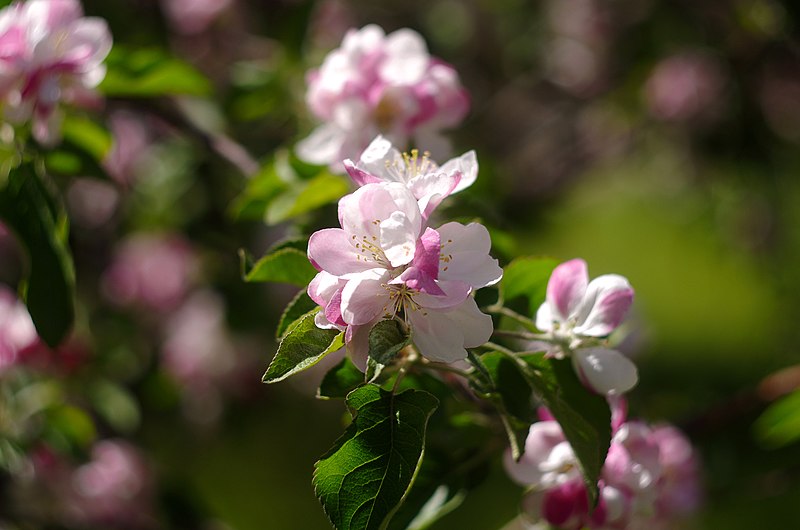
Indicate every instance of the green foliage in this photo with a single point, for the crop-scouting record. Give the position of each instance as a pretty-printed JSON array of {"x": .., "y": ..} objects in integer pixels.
[
  {"x": 303, "y": 345},
  {"x": 287, "y": 265},
  {"x": 527, "y": 277},
  {"x": 340, "y": 380},
  {"x": 584, "y": 416},
  {"x": 39, "y": 222},
  {"x": 508, "y": 388},
  {"x": 363, "y": 479},
  {"x": 151, "y": 72},
  {"x": 779, "y": 425},
  {"x": 286, "y": 188},
  {"x": 299, "y": 306}
]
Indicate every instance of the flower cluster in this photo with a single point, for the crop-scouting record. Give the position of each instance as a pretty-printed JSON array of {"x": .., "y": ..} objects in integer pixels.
[
  {"x": 49, "y": 53},
  {"x": 377, "y": 83},
  {"x": 650, "y": 478},
  {"x": 577, "y": 312},
  {"x": 386, "y": 262}
]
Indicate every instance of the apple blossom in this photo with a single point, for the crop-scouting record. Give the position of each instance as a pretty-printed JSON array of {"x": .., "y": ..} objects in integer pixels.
[
  {"x": 49, "y": 54},
  {"x": 638, "y": 482},
  {"x": 377, "y": 83},
  {"x": 384, "y": 263},
  {"x": 17, "y": 332},
  {"x": 575, "y": 310},
  {"x": 429, "y": 182}
]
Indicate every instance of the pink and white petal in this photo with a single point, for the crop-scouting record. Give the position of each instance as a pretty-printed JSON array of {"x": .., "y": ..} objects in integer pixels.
[
  {"x": 378, "y": 157},
  {"x": 426, "y": 256},
  {"x": 406, "y": 58},
  {"x": 566, "y": 288},
  {"x": 465, "y": 255},
  {"x": 604, "y": 305},
  {"x": 365, "y": 297},
  {"x": 323, "y": 323},
  {"x": 467, "y": 165},
  {"x": 88, "y": 43},
  {"x": 476, "y": 326},
  {"x": 323, "y": 286},
  {"x": 333, "y": 251},
  {"x": 357, "y": 341},
  {"x": 605, "y": 371},
  {"x": 435, "y": 335},
  {"x": 399, "y": 238},
  {"x": 362, "y": 212},
  {"x": 454, "y": 294},
  {"x": 322, "y": 146},
  {"x": 359, "y": 176},
  {"x": 432, "y": 188}
]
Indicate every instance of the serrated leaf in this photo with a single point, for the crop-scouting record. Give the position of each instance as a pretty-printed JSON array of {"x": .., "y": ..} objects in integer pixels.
[
  {"x": 779, "y": 424},
  {"x": 287, "y": 265},
  {"x": 304, "y": 197},
  {"x": 41, "y": 226},
  {"x": 363, "y": 479},
  {"x": 527, "y": 277},
  {"x": 340, "y": 380},
  {"x": 302, "y": 347},
  {"x": 148, "y": 72},
  {"x": 584, "y": 417},
  {"x": 511, "y": 392},
  {"x": 299, "y": 306},
  {"x": 386, "y": 339},
  {"x": 261, "y": 190}
]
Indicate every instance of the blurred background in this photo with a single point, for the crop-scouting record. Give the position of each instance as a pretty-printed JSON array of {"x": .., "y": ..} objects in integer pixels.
[{"x": 658, "y": 140}]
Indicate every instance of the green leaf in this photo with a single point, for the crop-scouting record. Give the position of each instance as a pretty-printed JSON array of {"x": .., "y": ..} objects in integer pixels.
[
  {"x": 116, "y": 406},
  {"x": 88, "y": 135},
  {"x": 299, "y": 306},
  {"x": 340, "y": 380},
  {"x": 261, "y": 190},
  {"x": 779, "y": 424},
  {"x": 510, "y": 391},
  {"x": 584, "y": 417},
  {"x": 527, "y": 277},
  {"x": 150, "y": 72},
  {"x": 302, "y": 347},
  {"x": 363, "y": 479},
  {"x": 287, "y": 265},
  {"x": 307, "y": 196},
  {"x": 41, "y": 226},
  {"x": 386, "y": 339}
]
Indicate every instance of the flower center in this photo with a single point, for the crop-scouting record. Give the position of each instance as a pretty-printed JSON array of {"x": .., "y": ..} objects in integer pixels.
[{"x": 412, "y": 165}]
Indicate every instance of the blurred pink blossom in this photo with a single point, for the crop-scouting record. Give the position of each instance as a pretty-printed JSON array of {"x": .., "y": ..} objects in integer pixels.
[
  {"x": 203, "y": 357},
  {"x": 114, "y": 488},
  {"x": 685, "y": 87},
  {"x": 381, "y": 84},
  {"x": 650, "y": 478},
  {"x": 17, "y": 333},
  {"x": 193, "y": 16},
  {"x": 92, "y": 202},
  {"x": 153, "y": 271},
  {"x": 132, "y": 138},
  {"x": 49, "y": 54}
]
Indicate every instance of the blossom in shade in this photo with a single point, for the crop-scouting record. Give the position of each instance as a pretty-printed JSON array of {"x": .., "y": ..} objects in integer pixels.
[
  {"x": 429, "y": 182},
  {"x": 152, "y": 271},
  {"x": 649, "y": 479},
  {"x": 576, "y": 309},
  {"x": 376, "y": 83},
  {"x": 49, "y": 54},
  {"x": 17, "y": 333},
  {"x": 384, "y": 263},
  {"x": 684, "y": 87}
]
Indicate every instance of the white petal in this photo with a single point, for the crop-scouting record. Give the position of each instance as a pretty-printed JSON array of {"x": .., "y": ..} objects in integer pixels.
[
  {"x": 605, "y": 371},
  {"x": 443, "y": 335},
  {"x": 364, "y": 297},
  {"x": 322, "y": 146},
  {"x": 604, "y": 305},
  {"x": 467, "y": 164},
  {"x": 465, "y": 255},
  {"x": 399, "y": 238},
  {"x": 544, "y": 318},
  {"x": 407, "y": 58}
]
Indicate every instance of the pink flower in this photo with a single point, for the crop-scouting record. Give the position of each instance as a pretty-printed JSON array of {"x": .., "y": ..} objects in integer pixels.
[
  {"x": 645, "y": 471},
  {"x": 685, "y": 87},
  {"x": 380, "y": 84},
  {"x": 113, "y": 488},
  {"x": 383, "y": 263},
  {"x": 429, "y": 182},
  {"x": 193, "y": 16},
  {"x": 49, "y": 54},
  {"x": 153, "y": 271},
  {"x": 17, "y": 333},
  {"x": 576, "y": 309}
]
